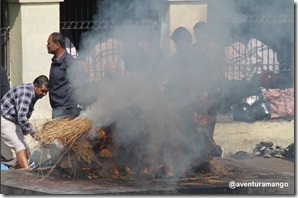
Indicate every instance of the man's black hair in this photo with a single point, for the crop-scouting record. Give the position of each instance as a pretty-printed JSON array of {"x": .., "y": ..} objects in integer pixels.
[
  {"x": 201, "y": 25},
  {"x": 42, "y": 80},
  {"x": 181, "y": 34}
]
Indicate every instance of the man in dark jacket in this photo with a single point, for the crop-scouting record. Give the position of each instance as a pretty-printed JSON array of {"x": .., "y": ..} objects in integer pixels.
[{"x": 62, "y": 97}]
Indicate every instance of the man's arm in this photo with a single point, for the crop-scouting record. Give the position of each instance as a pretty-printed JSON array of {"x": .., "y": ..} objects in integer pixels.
[{"x": 22, "y": 106}]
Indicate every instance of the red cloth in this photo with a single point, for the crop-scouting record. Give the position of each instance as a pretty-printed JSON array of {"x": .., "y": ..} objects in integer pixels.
[{"x": 281, "y": 102}]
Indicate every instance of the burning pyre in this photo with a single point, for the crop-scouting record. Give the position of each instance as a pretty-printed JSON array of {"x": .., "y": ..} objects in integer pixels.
[{"x": 92, "y": 152}]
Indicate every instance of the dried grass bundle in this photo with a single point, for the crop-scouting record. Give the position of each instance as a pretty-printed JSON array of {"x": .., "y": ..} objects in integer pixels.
[
  {"x": 83, "y": 151},
  {"x": 73, "y": 133},
  {"x": 217, "y": 169},
  {"x": 66, "y": 129},
  {"x": 212, "y": 168}
]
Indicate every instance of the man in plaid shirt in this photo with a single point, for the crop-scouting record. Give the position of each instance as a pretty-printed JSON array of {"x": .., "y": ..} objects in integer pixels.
[{"x": 17, "y": 106}]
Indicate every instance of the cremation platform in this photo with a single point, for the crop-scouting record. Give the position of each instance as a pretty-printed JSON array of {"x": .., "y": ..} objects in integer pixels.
[{"x": 25, "y": 182}]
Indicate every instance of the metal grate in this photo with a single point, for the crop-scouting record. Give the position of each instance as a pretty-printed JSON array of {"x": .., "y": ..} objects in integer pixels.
[
  {"x": 5, "y": 28},
  {"x": 81, "y": 18}
]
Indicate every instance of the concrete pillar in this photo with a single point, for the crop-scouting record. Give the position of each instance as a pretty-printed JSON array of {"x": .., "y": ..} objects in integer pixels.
[
  {"x": 184, "y": 13},
  {"x": 31, "y": 22}
]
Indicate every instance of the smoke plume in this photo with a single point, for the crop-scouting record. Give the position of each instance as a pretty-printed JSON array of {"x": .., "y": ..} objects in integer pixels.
[{"x": 128, "y": 92}]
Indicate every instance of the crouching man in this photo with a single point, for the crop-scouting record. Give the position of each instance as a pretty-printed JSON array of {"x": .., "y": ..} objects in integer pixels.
[{"x": 17, "y": 106}]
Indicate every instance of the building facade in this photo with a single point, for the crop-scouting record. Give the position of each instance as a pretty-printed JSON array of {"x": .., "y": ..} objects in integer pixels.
[{"x": 26, "y": 25}]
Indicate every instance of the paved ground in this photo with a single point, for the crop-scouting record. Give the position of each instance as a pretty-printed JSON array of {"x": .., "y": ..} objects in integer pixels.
[
  {"x": 241, "y": 136},
  {"x": 258, "y": 170},
  {"x": 236, "y": 136},
  {"x": 281, "y": 165}
]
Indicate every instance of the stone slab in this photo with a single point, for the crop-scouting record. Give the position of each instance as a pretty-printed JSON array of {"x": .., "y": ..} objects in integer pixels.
[{"x": 25, "y": 182}]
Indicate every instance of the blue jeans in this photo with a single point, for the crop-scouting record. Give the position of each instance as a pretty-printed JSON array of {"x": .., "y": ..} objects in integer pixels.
[{"x": 63, "y": 111}]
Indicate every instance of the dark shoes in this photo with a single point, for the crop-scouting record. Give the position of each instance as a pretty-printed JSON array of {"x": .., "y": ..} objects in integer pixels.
[
  {"x": 266, "y": 150},
  {"x": 269, "y": 152},
  {"x": 290, "y": 151},
  {"x": 243, "y": 155},
  {"x": 279, "y": 152},
  {"x": 264, "y": 145},
  {"x": 260, "y": 148}
]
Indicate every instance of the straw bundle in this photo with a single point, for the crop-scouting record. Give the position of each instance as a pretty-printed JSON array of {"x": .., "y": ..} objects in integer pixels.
[
  {"x": 83, "y": 151},
  {"x": 217, "y": 169},
  {"x": 67, "y": 129},
  {"x": 73, "y": 133}
]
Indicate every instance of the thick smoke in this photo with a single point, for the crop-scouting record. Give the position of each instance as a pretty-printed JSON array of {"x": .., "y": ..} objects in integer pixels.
[
  {"x": 130, "y": 95},
  {"x": 135, "y": 104}
]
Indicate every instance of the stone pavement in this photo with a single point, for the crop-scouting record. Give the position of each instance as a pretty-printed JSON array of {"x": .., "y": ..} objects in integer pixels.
[{"x": 249, "y": 171}]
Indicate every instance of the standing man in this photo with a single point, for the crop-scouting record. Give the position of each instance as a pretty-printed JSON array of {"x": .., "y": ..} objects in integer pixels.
[
  {"x": 17, "y": 106},
  {"x": 211, "y": 60},
  {"x": 179, "y": 70},
  {"x": 62, "y": 97},
  {"x": 207, "y": 50}
]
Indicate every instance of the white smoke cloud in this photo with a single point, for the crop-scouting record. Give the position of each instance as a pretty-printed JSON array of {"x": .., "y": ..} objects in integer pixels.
[{"x": 134, "y": 101}]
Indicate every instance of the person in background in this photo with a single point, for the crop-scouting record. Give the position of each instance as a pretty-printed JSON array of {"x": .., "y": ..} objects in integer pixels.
[
  {"x": 62, "y": 96},
  {"x": 143, "y": 56},
  {"x": 178, "y": 67},
  {"x": 182, "y": 39},
  {"x": 181, "y": 88},
  {"x": 17, "y": 106},
  {"x": 209, "y": 56},
  {"x": 210, "y": 53},
  {"x": 4, "y": 82}
]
